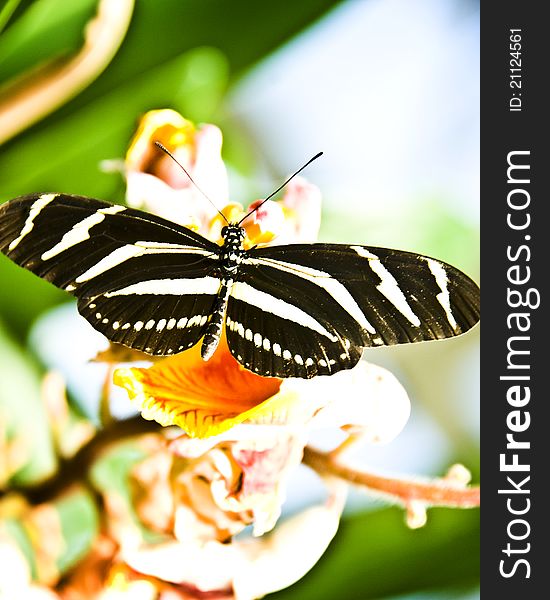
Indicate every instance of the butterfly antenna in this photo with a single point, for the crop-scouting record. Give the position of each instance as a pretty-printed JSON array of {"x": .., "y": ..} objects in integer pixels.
[
  {"x": 281, "y": 186},
  {"x": 165, "y": 150}
]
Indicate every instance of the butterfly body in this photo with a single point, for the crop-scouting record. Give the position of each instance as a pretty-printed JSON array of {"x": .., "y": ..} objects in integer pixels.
[{"x": 297, "y": 310}]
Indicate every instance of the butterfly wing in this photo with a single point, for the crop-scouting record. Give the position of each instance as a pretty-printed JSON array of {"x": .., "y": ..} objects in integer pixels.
[
  {"x": 307, "y": 309},
  {"x": 141, "y": 280}
]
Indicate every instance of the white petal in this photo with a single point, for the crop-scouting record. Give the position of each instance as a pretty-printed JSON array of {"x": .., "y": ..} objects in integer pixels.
[{"x": 374, "y": 404}]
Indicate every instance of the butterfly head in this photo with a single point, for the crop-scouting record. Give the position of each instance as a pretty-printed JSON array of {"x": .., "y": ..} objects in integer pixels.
[{"x": 233, "y": 234}]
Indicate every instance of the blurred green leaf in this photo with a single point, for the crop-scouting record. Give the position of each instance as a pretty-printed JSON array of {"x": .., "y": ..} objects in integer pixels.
[
  {"x": 78, "y": 520},
  {"x": 65, "y": 155},
  {"x": 78, "y": 514},
  {"x": 110, "y": 474},
  {"x": 23, "y": 414},
  {"x": 18, "y": 283},
  {"x": 375, "y": 555},
  {"x": 7, "y": 11},
  {"x": 46, "y": 29}
]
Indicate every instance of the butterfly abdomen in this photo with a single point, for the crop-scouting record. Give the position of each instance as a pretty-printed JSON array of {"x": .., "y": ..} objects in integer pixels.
[{"x": 213, "y": 332}]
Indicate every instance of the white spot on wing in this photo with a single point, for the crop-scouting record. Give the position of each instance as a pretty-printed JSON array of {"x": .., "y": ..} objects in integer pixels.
[
  {"x": 196, "y": 320},
  {"x": 36, "y": 208}
]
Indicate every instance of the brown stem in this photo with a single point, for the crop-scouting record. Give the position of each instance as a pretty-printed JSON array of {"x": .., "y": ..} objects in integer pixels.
[
  {"x": 437, "y": 492},
  {"x": 76, "y": 467}
]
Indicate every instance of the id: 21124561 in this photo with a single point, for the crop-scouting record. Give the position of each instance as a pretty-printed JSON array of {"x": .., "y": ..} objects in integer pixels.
[{"x": 515, "y": 70}]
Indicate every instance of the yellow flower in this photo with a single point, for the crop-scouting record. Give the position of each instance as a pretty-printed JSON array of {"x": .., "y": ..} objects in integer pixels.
[{"x": 157, "y": 184}]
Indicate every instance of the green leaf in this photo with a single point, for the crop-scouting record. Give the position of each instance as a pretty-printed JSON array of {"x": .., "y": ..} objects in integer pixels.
[
  {"x": 24, "y": 418},
  {"x": 375, "y": 555},
  {"x": 46, "y": 30},
  {"x": 111, "y": 474},
  {"x": 79, "y": 518},
  {"x": 65, "y": 156}
]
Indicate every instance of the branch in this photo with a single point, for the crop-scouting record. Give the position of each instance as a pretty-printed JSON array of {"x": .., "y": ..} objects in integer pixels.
[
  {"x": 75, "y": 468},
  {"x": 416, "y": 495}
]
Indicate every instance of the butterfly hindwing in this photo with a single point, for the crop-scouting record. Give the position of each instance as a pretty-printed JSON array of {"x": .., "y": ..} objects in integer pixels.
[
  {"x": 280, "y": 322},
  {"x": 264, "y": 342},
  {"x": 155, "y": 324}
]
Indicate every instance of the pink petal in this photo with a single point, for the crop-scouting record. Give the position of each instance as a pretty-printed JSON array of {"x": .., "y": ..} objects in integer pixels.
[{"x": 304, "y": 199}]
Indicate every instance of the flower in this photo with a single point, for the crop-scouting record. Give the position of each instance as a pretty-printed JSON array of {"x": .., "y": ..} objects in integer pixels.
[
  {"x": 193, "y": 497},
  {"x": 208, "y": 398},
  {"x": 244, "y": 434},
  {"x": 203, "y": 492},
  {"x": 246, "y": 568},
  {"x": 157, "y": 184},
  {"x": 203, "y": 398}
]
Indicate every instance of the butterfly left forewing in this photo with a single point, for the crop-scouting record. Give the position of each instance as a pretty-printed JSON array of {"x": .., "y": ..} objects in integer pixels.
[
  {"x": 139, "y": 279},
  {"x": 65, "y": 239}
]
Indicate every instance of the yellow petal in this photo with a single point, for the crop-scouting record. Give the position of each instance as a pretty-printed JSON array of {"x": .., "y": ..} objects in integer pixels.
[
  {"x": 166, "y": 126},
  {"x": 203, "y": 398}
]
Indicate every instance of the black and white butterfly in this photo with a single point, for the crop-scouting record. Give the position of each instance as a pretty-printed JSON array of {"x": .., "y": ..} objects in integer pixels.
[{"x": 298, "y": 310}]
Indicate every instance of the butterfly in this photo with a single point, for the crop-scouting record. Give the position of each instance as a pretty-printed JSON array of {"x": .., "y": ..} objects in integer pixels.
[{"x": 296, "y": 310}]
